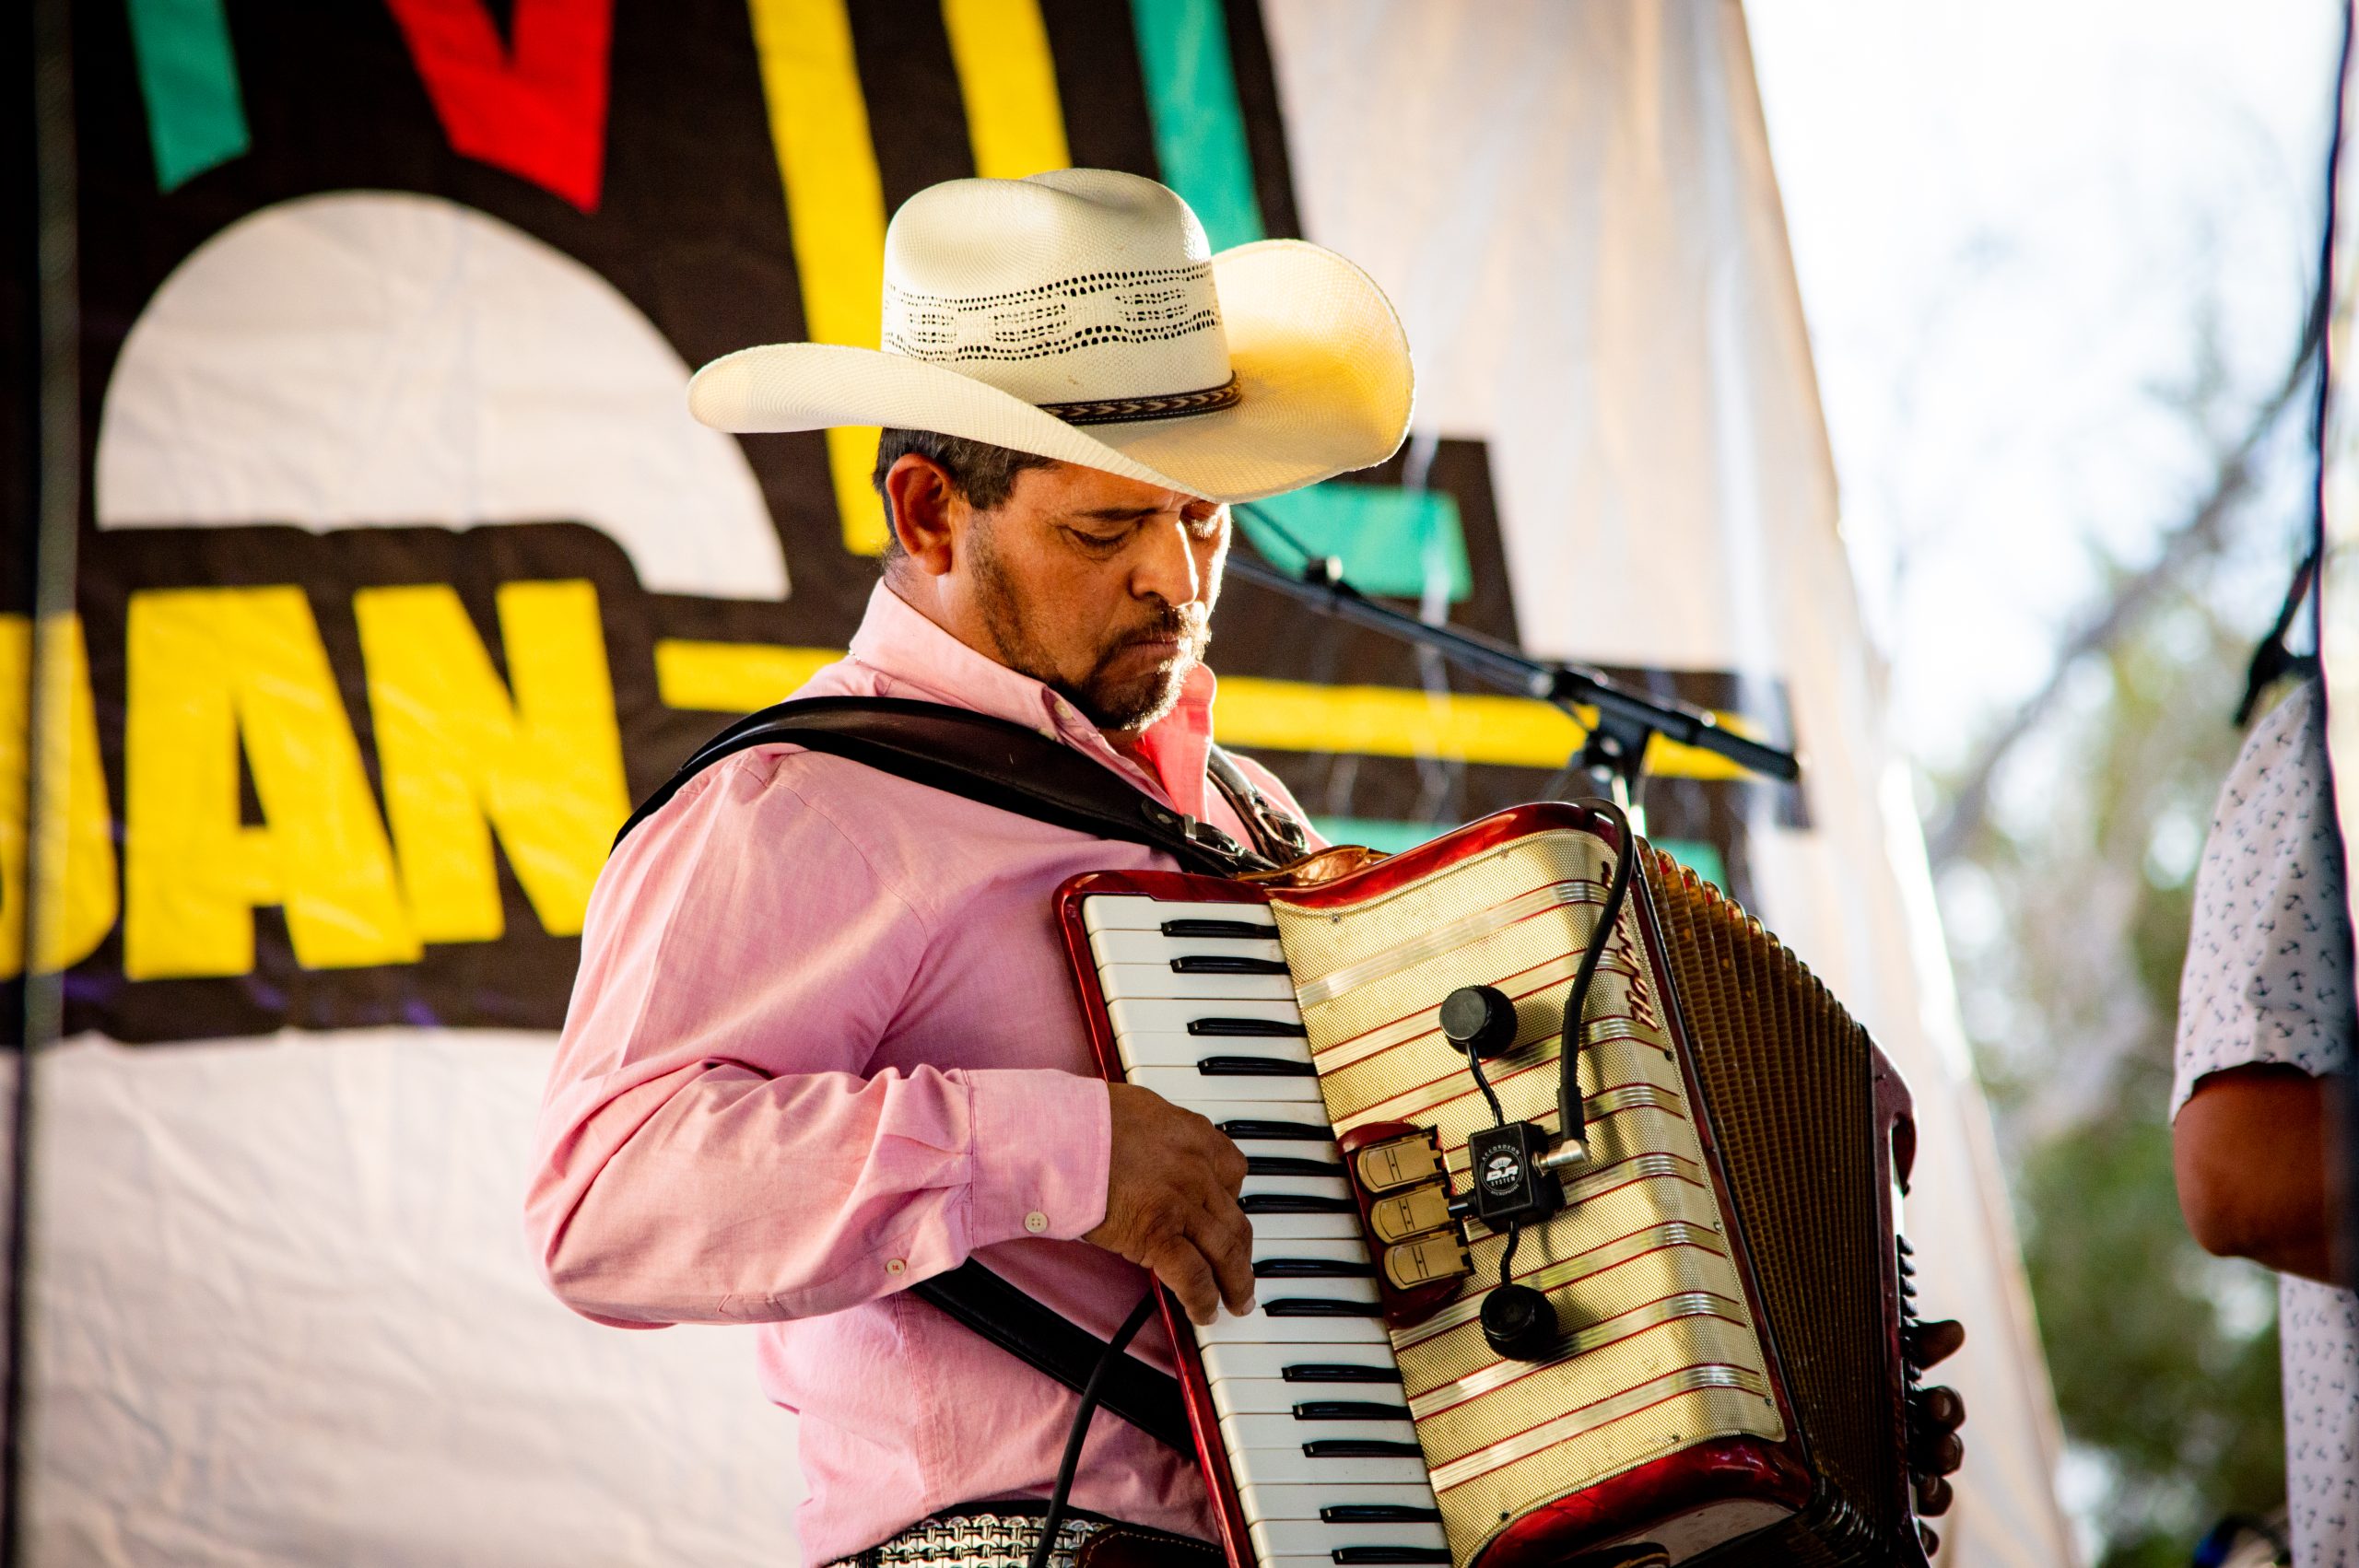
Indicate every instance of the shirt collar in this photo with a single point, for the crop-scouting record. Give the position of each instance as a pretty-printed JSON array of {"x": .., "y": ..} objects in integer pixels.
[{"x": 907, "y": 649}]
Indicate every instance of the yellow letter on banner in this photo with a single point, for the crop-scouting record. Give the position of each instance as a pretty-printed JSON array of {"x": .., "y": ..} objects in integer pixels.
[
  {"x": 86, "y": 908},
  {"x": 210, "y": 668},
  {"x": 835, "y": 212},
  {"x": 1009, "y": 84},
  {"x": 545, "y": 768}
]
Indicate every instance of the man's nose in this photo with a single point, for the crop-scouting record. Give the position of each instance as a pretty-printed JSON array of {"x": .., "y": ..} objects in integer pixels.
[{"x": 1167, "y": 566}]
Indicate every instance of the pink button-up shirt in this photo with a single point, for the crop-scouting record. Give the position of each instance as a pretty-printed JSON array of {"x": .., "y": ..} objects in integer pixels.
[{"x": 824, "y": 1044}]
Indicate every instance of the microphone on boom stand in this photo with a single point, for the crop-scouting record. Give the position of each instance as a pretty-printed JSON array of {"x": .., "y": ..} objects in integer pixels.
[{"x": 1612, "y": 757}]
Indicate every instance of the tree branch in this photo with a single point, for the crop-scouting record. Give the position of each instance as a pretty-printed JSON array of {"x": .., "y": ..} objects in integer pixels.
[{"x": 1969, "y": 808}]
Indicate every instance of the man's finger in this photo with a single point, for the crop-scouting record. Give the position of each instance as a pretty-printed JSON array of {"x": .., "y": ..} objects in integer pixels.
[
  {"x": 1181, "y": 1267},
  {"x": 1225, "y": 1238},
  {"x": 1228, "y": 1164},
  {"x": 1938, "y": 1456},
  {"x": 1933, "y": 1496},
  {"x": 1935, "y": 1342},
  {"x": 1943, "y": 1408}
]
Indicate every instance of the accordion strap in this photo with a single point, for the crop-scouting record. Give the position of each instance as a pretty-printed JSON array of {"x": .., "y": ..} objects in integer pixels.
[
  {"x": 981, "y": 758},
  {"x": 1051, "y": 1342}
]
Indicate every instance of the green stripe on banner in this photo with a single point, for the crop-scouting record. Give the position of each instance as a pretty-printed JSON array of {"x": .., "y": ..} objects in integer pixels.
[
  {"x": 1391, "y": 837},
  {"x": 1199, "y": 128},
  {"x": 1391, "y": 541},
  {"x": 196, "y": 118}
]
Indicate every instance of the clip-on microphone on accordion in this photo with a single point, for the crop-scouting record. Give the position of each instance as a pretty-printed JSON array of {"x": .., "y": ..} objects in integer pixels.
[{"x": 1511, "y": 1170}]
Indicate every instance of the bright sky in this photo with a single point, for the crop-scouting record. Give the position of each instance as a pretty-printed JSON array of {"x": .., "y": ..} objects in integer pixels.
[{"x": 2009, "y": 219}]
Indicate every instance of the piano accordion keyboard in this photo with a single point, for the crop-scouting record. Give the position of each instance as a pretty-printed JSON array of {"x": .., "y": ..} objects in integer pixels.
[{"x": 1313, "y": 1420}]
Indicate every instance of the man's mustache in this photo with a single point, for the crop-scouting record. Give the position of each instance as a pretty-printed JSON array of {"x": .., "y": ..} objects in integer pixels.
[{"x": 1190, "y": 623}]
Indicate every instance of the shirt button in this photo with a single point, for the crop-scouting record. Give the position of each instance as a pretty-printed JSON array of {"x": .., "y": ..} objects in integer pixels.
[
  {"x": 895, "y": 1265},
  {"x": 1036, "y": 1222}
]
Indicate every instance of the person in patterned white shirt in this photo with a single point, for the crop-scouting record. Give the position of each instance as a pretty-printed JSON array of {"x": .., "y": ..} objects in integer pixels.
[{"x": 2266, "y": 1017}]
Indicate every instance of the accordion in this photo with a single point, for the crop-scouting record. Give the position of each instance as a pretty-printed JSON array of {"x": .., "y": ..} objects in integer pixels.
[{"x": 1725, "y": 1372}]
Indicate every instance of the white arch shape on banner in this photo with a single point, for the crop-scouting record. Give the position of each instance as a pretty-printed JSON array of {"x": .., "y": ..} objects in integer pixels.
[{"x": 372, "y": 358}]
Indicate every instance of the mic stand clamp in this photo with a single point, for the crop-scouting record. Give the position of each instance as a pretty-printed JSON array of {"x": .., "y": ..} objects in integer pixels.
[{"x": 1613, "y": 760}]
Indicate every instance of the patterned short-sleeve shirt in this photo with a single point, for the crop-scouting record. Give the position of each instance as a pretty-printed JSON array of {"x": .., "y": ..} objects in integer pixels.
[{"x": 2267, "y": 980}]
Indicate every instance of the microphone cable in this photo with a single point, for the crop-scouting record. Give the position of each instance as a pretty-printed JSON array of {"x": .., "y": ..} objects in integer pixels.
[
  {"x": 1572, "y": 1125},
  {"x": 1090, "y": 1394}
]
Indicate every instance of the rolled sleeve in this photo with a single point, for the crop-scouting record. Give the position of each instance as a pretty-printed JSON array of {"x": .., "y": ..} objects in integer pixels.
[
  {"x": 1042, "y": 1147},
  {"x": 2268, "y": 972}
]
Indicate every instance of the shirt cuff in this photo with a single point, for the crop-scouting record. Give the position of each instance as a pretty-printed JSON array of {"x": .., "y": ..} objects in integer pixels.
[{"x": 1042, "y": 1145}]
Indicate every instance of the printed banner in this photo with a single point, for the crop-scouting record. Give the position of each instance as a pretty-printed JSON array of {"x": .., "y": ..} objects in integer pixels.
[{"x": 403, "y": 572}]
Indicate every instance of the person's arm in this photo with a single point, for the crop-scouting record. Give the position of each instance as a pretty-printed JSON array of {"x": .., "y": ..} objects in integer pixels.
[
  {"x": 712, "y": 1147},
  {"x": 2251, "y": 1151}
]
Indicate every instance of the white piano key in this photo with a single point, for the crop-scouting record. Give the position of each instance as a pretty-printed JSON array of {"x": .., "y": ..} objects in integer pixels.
[
  {"x": 1276, "y": 1397},
  {"x": 1236, "y": 1096},
  {"x": 1339, "y": 1250},
  {"x": 1258, "y": 1328},
  {"x": 1279, "y": 1429},
  {"x": 1284, "y": 1466},
  {"x": 1300, "y": 1187},
  {"x": 1324, "y": 1290},
  {"x": 1187, "y": 1050},
  {"x": 1315, "y": 1538},
  {"x": 1304, "y": 1227},
  {"x": 1154, "y": 947},
  {"x": 1281, "y": 1500},
  {"x": 1131, "y": 911},
  {"x": 1157, "y": 981},
  {"x": 1153, "y": 1015},
  {"x": 1246, "y": 1359}
]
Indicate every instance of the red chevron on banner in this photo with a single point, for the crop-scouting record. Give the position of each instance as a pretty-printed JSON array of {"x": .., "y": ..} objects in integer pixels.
[{"x": 538, "y": 110}]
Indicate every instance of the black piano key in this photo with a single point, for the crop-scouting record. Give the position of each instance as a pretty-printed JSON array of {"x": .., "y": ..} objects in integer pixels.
[
  {"x": 1295, "y": 1203},
  {"x": 1312, "y": 1269},
  {"x": 1377, "y": 1513},
  {"x": 1361, "y": 1448},
  {"x": 1337, "y": 1372},
  {"x": 1289, "y": 1166},
  {"x": 1350, "y": 1556},
  {"x": 1249, "y": 1131},
  {"x": 1320, "y": 1306},
  {"x": 1245, "y": 931},
  {"x": 1254, "y": 1067},
  {"x": 1349, "y": 1410},
  {"x": 1254, "y": 1028},
  {"x": 1225, "y": 964}
]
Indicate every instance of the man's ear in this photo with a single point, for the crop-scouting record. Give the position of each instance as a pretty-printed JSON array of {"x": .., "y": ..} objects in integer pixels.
[{"x": 922, "y": 497}]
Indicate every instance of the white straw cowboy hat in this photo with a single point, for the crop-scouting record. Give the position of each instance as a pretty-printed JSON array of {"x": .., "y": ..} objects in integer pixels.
[{"x": 1079, "y": 315}]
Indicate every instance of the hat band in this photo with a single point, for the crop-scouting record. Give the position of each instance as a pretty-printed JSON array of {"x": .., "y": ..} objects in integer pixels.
[{"x": 1127, "y": 410}]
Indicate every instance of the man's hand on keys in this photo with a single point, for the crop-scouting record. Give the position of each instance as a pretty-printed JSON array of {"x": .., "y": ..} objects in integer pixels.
[{"x": 1171, "y": 1202}]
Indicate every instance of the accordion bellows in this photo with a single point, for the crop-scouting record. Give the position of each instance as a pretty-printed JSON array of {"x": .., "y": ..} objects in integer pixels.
[{"x": 1730, "y": 1380}]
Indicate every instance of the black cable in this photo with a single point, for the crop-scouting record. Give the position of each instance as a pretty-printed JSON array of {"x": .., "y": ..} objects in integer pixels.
[
  {"x": 1089, "y": 1397},
  {"x": 1483, "y": 1082},
  {"x": 1571, "y": 1125},
  {"x": 1507, "y": 1257}
]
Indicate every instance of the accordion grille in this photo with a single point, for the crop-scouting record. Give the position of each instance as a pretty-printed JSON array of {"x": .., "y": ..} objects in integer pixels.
[{"x": 1788, "y": 1079}]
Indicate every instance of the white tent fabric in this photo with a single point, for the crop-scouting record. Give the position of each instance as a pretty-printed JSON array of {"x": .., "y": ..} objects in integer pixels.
[{"x": 1575, "y": 208}]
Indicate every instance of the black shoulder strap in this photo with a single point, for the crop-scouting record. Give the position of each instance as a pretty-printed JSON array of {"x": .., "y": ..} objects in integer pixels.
[
  {"x": 979, "y": 758},
  {"x": 1275, "y": 832},
  {"x": 1052, "y": 1343}
]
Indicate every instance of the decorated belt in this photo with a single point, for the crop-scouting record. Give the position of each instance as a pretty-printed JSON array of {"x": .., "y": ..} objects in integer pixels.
[{"x": 1003, "y": 1536}]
